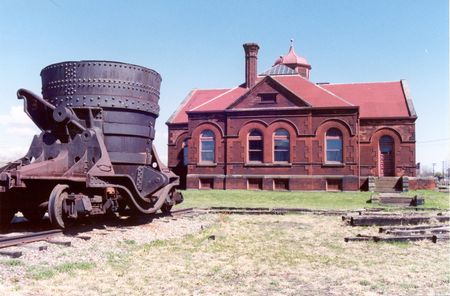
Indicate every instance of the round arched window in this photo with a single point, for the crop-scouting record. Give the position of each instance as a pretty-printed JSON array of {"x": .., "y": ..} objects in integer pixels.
[
  {"x": 207, "y": 146},
  {"x": 281, "y": 145},
  {"x": 334, "y": 145},
  {"x": 255, "y": 146}
]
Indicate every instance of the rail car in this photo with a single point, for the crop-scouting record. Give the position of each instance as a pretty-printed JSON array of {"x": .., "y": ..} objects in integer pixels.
[{"x": 95, "y": 152}]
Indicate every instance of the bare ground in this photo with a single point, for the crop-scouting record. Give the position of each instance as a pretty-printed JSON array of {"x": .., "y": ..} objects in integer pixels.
[{"x": 240, "y": 255}]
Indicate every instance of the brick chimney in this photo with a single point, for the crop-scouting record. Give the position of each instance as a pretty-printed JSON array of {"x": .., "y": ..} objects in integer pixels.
[{"x": 251, "y": 57}]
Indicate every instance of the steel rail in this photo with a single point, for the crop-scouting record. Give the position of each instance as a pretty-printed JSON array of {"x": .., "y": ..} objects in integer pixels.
[{"x": 15, "y": 240}]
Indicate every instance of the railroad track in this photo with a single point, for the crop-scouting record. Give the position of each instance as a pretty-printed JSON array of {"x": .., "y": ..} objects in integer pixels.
[
  {"x": 47, "y": 235},
  {"x": 14, "y": 240},
  {"x": 11, "y": 239},
  {"x": 271, "y": 211}
]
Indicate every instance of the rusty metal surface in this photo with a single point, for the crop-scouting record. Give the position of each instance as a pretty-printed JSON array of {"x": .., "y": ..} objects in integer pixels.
[
  {"x": 97, "y": 120},
  {"x": 101, "y": 84},
  {"x": 15, "y": 240}
]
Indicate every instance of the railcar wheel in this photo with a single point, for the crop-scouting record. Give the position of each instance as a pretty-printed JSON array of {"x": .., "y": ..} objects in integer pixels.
[
  {"x": 56, "y": 206},
  {"x": 122, "y": 206},
  {"x": 166, "y": 208},
  {"x": 7, "y": 211}
]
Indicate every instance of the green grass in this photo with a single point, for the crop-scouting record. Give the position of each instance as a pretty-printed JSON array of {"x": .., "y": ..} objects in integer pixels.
[
  {"x": 433, "y": 199},
  {"x": 296, "y": 199},
  {"x": 11, "y": 262},
  {"x": 40, "y": 272}
]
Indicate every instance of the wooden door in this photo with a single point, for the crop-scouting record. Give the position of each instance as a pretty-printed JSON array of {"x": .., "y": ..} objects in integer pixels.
[{"x": 386, "y": 152}]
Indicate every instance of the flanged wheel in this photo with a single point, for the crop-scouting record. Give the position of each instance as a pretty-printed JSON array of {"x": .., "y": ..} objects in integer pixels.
[
  {"x": 166, "y": 208},
  {"x": 57, "y": 211},
  {"x": 170, "y": 201},
  {"x": 7, "y": 210}
]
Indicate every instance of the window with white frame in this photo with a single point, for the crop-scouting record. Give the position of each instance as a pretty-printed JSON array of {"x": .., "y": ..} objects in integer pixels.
[
  {"x": 207, "y": 146},
  {"x": 281, "y": 145},
  {"x": 255, "y": 146},
  {"x": 334, "y": 146}
]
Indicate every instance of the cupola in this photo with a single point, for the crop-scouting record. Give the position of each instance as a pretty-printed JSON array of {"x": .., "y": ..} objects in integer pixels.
[{"x": 298, "y": 63}]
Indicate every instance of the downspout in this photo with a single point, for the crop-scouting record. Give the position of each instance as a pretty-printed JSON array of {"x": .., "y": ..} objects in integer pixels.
[{"x": 359, "y": 152}]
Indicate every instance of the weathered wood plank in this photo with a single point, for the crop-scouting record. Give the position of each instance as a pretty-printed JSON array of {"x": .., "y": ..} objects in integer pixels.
[
  {"x": 403, "y": 238},
  {"x": 437, "y": 226},
  {"x": 393, "y": 220},
  {"x": 12, "y": 254}
]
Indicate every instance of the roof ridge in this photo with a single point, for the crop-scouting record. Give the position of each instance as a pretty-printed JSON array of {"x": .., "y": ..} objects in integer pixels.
[
  {"x": 284, "y": 75},
  {"x": 263, "y": 77},
  {"x": 288, "y": 89},
  {"x": 325, "y": 90},
  {"x": 335, "y": 95},
  {"x": 222, "y": 88},
  {"x": 215, "y": 98},
  {"x": 370, "y": 82}
]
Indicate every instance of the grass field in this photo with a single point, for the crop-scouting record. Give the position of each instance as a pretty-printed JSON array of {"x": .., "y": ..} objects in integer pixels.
[
  {"x": 252, "y": 255},
  {"x": 300, "y": 199}
]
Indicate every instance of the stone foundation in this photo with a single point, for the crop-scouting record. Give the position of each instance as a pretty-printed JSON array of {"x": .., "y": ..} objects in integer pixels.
[{"x": 300, "y": 183}]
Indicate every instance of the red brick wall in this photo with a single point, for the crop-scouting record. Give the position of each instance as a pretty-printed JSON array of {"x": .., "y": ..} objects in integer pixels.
[
  {"x": 404, "y": 144},
  {"x": 306, "y": 169},
  {"x": 177, "y": 134},
  {"x": 422, "y": 183}
]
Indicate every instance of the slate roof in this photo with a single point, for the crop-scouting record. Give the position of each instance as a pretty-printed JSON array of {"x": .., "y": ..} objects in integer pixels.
[{"x": 279, "y": 69}]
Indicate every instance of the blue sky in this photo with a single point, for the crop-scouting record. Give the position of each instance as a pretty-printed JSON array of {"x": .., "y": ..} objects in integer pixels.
[{"x": 198, "y": 44}]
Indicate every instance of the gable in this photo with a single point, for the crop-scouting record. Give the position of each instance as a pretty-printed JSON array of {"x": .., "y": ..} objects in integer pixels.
[
  {"x": 314, "y": 94},
  {"x": 268, "y": 94}
]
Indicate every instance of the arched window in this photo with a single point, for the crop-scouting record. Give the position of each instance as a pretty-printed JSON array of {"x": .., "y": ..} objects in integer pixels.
[
  {"x": 281, "y": 145},
  {"x": 207, "y": 146},
  {"x": 334, "y": 145},
  {"x": 386, "y": 144},
  {"x": 255, "y": 146}
]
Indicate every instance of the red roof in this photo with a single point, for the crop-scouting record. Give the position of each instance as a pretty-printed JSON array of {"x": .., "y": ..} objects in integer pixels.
[
  {"x": 311, "y": 93},
  {"x": 375, "y": 100},
  {"x": 378, "y": 99},
  {"x": 193, "y": 100},
  {"x": 222, "y": 101}
]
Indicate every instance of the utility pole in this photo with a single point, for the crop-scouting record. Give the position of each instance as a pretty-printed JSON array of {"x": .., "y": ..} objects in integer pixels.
[{"x": 434, "y": 164}]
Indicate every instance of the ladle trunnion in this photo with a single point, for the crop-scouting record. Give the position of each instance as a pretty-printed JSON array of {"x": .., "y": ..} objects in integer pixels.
[{"x": 95, "y": 153}]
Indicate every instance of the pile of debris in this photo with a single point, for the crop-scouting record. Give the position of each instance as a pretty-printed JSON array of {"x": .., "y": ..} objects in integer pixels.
[{"x": 399, "y": 226}]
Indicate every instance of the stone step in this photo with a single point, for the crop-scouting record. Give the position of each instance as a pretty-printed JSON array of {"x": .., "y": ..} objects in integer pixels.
[
  {"x": 387, "y": 190},
  {"x": 386, "y": 183}
]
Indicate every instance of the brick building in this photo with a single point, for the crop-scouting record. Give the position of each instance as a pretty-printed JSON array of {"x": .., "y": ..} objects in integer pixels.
[{"x": 281, "y": 131}]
